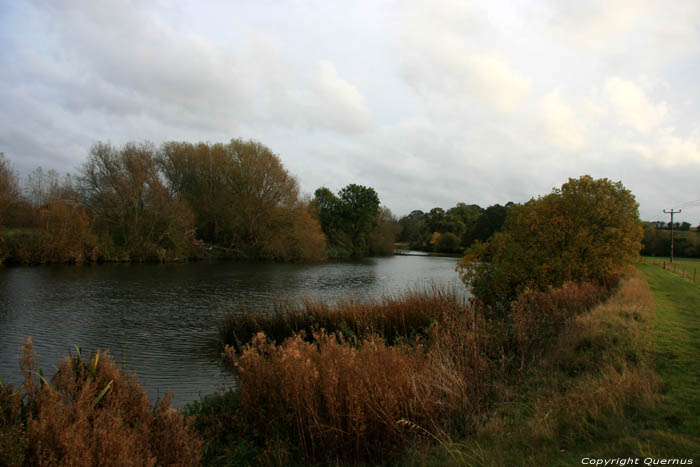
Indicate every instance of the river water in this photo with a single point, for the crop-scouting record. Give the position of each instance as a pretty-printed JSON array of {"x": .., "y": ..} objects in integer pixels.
[{"x": 160, "y": 320}]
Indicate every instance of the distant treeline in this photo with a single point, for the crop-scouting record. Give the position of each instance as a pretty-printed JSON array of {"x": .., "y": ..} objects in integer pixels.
[
  {"x": 183, "y": 201},
  {"x": 453, "y": 230},
  {"x": 657, "y": 240}
]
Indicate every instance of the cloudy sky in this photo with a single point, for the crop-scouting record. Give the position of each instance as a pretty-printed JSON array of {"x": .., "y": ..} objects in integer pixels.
[{"x": 430, "y": 102}]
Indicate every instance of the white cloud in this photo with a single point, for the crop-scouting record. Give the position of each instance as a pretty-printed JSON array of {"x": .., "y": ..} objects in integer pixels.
[
  {"x": 490, "y": 77},
  {"x": 643, "y": 31},
  {"x": 598, "y": 24},
  {"x": 632, "y": 107},
  {"x": 443, "y": 56},
  {"x": 337, "y": 104},
  {"x": 674, "y": 150},
  {"x": 561, "y": 126}
]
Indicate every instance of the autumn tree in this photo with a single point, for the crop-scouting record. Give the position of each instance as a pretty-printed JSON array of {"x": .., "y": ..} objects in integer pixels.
[
  {"x": 9, "y": 187},
  {"x": 243, "y": 199},
  {"x": 588, "y": 230},
  {"x": 134, "y": 214},
  {"x": 383, "y": 236}
]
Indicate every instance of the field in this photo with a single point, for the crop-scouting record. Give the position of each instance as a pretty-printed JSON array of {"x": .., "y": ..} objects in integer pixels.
[
  {"x": 677, "y": 341},
  {"x": 684, "y": 267}
]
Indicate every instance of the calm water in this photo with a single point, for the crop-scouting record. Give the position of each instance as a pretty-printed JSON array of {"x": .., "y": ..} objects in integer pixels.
[{"x": 161, "y": 320}]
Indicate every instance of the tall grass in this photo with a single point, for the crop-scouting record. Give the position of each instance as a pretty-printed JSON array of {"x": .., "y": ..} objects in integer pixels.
[
  {"x": 400, "y": 318},
  {"x": 364, "y": 381},
  {"x": 90, "y": 413}
]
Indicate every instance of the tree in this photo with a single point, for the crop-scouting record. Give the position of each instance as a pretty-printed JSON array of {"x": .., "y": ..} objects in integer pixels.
[
  {"x": 382, "y": 238},
  {"x": 9, "y": 187},
  {"x": 243, "y": 199},
  {"x": 589, "y": 230},
  {"x": 132, "y": 209},
  {"x": 489, "y": 222},
  {"x": 414, "y": 229},
  {"x": 447, "y": 243},
  {"x": 349, "y": 218}
]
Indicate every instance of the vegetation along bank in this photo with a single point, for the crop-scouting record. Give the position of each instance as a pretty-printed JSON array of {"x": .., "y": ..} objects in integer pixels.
[{"x": 563, "y": 352}]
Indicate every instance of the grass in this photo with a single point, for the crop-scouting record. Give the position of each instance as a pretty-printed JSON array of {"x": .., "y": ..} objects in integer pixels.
[
  {"x": 677, "y": 353},
  {"x": 396, "y": 319},
  {"x": 418, "y": 370},
  {"x": 685, "y": 267},
  {"x": 622, "y": 382}
]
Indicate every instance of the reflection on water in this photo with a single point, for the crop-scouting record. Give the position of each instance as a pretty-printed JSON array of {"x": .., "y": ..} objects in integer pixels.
[{"x": 160, "y": 320}]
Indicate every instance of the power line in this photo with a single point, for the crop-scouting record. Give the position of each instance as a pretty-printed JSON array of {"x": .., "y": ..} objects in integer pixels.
[{"x": 672, "y": 212}]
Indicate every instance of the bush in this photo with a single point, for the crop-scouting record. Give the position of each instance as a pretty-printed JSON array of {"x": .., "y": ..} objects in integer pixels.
[
  {"x": 91, "y": 413},
  {"x": 587, "y": 231},
  {"x": 539, "y": 315},
  {"x": 447, "y": 243}
]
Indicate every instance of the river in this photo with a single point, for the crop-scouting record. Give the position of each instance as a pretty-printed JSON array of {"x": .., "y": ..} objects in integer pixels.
[{"x": 160, "y": 320}]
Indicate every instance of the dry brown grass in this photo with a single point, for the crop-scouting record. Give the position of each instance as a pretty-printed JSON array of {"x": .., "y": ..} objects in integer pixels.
[
  {"x": 398, "y": 318},
  {"x": 335, "y": 400},
  {"x": 422, "y": 367},
  {"x": 91, "y": 413},
  {"x": 538, "y": 316},
  {"x": 595, "y": 374}
]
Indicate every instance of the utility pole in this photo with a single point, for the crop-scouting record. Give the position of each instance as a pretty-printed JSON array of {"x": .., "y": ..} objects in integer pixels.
[{"x": 672, "y": 212}]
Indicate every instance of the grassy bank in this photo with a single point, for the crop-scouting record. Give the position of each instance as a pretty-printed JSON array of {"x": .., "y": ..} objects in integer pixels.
[
  {"x": 623, "y": 382},
  {"x": 366, "y": 382},
  {"x": 677, "y": 355}
]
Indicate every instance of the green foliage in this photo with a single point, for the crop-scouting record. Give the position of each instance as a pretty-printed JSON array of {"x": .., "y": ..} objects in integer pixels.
[
  {"x": 447, "y": 243},
  {"x": 489, "y": 222},
  {"x": 588, "y": 230},
  {"x": 469, "y": 223},
  {"x": 657, "y": 242},
  {"x": 348, "y": 219}
]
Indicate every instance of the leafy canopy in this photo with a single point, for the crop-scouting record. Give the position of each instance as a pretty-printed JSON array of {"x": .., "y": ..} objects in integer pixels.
[{"x": 588, "y": 230}]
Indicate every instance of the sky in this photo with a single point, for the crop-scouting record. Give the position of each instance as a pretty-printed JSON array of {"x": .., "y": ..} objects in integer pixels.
[{"x": 431, "y": 103}]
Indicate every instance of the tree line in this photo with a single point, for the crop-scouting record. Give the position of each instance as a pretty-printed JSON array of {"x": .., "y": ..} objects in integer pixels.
[
  {"x": 657, "y": 240},
  {"x": 182, "y": 201},
  {"x": 453, "y": 230}
]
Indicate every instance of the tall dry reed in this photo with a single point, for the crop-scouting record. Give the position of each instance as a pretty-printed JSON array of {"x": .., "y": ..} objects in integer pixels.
[
  {"x": 91, "y": 413},
  {"x": 394, "y": 318}
]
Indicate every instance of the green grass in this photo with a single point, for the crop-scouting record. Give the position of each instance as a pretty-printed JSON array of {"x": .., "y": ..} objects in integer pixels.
[
  {"x": 686, "y": 267},
  {"x": 16, "y": 231},
  {"x": 677, "y": 350}
]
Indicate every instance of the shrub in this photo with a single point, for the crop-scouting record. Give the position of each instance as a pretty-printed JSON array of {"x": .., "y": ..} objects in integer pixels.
[
  {"x": 91, "y": 413},
  {"x": 589, "y": 230},
  {"x": 538, "y": 316}
]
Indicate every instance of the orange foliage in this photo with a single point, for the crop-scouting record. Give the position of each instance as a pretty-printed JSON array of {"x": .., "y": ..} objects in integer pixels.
[{"x": 93, "y": 414}]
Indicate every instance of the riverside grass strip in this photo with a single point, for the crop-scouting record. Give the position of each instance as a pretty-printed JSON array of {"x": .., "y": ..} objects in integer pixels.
[
  {"x": 634, "y": 393},
  {"x": 677, "y": 340}
]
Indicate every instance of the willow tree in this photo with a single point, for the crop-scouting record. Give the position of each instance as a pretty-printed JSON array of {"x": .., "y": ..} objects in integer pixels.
[
  {"x": 588, "y": 230},
  {"x": 134, "y": 214},
  {"x": 243, "y": 199},
  {"x": 9, "y": 187}
]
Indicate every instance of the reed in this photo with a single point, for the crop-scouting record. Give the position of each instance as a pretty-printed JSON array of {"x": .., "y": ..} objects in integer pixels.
[
  {"x": 400, "y": 318},
  {"x": 88, "y": 414}
]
